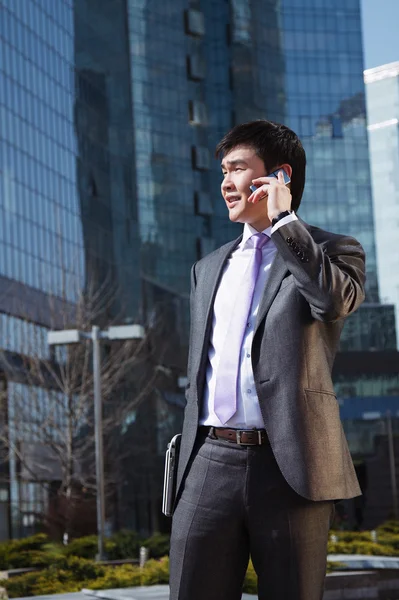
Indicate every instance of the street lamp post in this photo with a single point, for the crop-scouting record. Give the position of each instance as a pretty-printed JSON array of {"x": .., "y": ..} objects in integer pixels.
[
  {"x": 74, "y": 336},
  {"x": 98, "y": 420}
]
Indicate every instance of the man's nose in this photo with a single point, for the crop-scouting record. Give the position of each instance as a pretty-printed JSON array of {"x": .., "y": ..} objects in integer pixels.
[{"x": 227, "y": 184}]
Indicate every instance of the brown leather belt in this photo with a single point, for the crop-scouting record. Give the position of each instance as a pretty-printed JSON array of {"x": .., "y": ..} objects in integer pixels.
[{"x": 243, "y": 437}]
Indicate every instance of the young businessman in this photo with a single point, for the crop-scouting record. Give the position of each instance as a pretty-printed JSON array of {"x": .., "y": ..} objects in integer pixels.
[{"x": 263, "y": 454}]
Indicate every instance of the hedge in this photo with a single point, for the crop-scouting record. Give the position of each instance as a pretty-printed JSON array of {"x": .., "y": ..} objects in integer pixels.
[
  {"x": 83, "y": 573},
  {"x": 71, "y": 568},
  {"x": 37, "y": 551},
  {"x": 80, "y": 573},
  {"x": 20, "y": 553},
  {"x": 384, "y": 541}
]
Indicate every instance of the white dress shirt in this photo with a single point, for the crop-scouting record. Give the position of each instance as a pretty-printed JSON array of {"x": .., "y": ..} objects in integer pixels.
[{"x": 248, "y": 414}]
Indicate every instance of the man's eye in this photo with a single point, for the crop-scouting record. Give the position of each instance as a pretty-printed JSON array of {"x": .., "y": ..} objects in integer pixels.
[{"x": 238, "y": 169}]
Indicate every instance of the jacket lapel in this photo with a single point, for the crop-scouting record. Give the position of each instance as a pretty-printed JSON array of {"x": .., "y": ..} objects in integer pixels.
[{"x": 278, "y": 270}]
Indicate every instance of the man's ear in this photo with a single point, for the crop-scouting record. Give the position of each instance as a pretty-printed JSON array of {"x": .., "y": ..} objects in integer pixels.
[{"x": 287, "y": 168}]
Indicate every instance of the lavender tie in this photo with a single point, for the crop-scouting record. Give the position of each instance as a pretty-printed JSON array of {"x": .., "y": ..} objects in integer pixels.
[{"x": 225, "y": 401}]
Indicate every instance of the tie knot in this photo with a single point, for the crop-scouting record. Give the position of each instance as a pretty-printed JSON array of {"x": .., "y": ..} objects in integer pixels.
[{"x": 259, "y": 240}]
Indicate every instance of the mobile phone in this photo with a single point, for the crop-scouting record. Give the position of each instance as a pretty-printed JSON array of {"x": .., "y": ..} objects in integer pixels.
[
  {"x": 287, "y": 179},
  {"x": 170, "y": 475}
]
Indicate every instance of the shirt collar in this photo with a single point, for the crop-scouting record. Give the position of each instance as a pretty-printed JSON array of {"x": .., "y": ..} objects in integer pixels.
[{"x": 249, "y": 230}]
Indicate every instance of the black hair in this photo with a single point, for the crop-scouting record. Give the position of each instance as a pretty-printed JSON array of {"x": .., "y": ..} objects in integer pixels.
[{"x": 275, "y": 144}]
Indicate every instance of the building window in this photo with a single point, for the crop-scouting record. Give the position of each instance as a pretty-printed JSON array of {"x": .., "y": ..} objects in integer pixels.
[
  {"x": 228, "y": 34},
  {"x": 231, "y": 78},
  {"x": 241, "y": 21},
  {"x": 203, "y": 203},
  {"x": 200, "y": 157},
  {"x": 197, "y": 112},
  {"x": 194, "y": 23},
  {"x": 196, "y": 67},
  {"x": 336, "y": 125}
]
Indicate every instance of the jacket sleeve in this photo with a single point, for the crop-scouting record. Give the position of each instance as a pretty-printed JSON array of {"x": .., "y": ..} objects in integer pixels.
[{"x": 330, "y": 274}]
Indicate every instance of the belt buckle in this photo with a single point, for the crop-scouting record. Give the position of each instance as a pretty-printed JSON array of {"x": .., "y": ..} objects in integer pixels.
[{"x": 240, "y": 443}]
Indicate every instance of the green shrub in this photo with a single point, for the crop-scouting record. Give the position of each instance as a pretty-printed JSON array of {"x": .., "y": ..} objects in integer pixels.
[
  {"x": 155, "y": 571},
  {"x": 20, "y": 553},
  {"x": 87, "y": 547},
  {"x": 251, "y": 581},
  {"x": 27, "y": 558},
  {"x": 21, "y": 586},
  {"x": 47, "y": 585},
  {"x": 71, "y": 574},
  {"x": 4, "y": 554},
  {"x": 84, "y": 547},
  {"x": 117, "y": 577},
  {"x": 126, "y": 544},
  {"x": 68, "y": 574},
  {"x": 69, "y": 568},
  {"x": 391, "y": 526},
  {"x": 158, "y": 545},
  {"x": 53, "y": 550},
  {"x": 34, "y": 542},
  {"x": 43, "y": 582},
  {"x": 81, "y": 568},
  {"x": 360, "y": 547},
  {"x": 353, "y": 536},
  {"x": 387, "y": 539}
]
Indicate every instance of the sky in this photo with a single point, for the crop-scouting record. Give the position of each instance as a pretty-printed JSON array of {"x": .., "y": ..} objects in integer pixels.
[{"x": 380, "y": 32}]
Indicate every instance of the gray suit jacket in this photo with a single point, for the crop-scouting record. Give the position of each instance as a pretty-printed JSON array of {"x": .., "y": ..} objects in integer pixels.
[{"x": 316, "y": 280}]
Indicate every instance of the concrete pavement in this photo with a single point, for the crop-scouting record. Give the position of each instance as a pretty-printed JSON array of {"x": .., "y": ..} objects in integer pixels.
[{"x": 153, "y": 592}]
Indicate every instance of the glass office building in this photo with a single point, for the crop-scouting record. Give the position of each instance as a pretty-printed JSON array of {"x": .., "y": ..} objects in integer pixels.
[
  {"x": 110, "y": 112},
  {"x": 68, "y": 208},
  {"x": 382, "y": 93}
]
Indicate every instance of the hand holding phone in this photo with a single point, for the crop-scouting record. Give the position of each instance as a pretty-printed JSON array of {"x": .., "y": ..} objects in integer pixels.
[
  {"x": 276, "y": 193},
  {"x": 287, "y": 179}
]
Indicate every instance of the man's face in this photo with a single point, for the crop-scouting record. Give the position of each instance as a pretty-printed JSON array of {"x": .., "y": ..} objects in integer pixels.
[{"x": 240, "y": 167}]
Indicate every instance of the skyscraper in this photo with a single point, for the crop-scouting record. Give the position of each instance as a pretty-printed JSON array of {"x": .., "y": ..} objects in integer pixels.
[
  {"x": 67, "y": 204},
  {"x": 382, "y": 93},
  {"x": 198, "y": 69}
]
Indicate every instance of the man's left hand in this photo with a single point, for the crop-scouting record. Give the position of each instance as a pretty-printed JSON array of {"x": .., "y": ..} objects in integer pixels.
[{"x": 277, "y": 193}]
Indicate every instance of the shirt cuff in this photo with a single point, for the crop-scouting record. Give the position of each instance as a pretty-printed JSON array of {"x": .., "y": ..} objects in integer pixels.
[{"x": 284, "y": 221}]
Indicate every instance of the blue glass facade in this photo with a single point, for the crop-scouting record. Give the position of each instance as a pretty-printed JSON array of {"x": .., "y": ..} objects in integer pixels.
[
  {"x": 301, "y": 62},
  {"x": 41, "y": 238},
  {"x": 109, "y": 125},
  {"x": 68, "y": 208},
  {"x": 106, "y": 172},
  {"x": 382, "y": 92}
]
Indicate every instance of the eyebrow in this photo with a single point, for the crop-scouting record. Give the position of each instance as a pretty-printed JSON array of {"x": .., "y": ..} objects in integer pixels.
[{"x": 232, "y": 163}]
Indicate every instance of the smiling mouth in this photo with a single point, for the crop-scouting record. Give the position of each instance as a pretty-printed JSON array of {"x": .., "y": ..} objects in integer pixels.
[{"x": 232, "y": 201}]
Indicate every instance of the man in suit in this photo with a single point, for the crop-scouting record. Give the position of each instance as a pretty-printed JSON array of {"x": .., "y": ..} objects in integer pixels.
[{"x": 263, "y": 455}]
